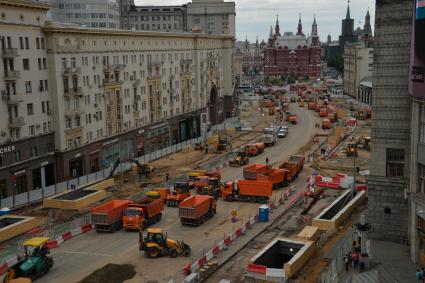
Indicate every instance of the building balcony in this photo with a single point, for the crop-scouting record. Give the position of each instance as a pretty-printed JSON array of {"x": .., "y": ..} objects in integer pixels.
[
  {"x": 155, "y": 64},
  {"x": 107, "y": 83},
  {"x": 71, "y": 71},
  {"x": 75, "y": 91},
  {"x": 152, "y": 76},
  {"x": 119, "y": 67},
  {"x": 14, "y": 99},
  {"x": 10, "y": 52},
  {"x": 72, "y": 112},
  {"x": 185, "y": 61},
  {"x": 136, "y": 83},
  {"x": 16, "y": 122},
  {"x": 137, "y": 98},
  {"x": 108, "y": 68},
  {"x": 12, "y": 75}
]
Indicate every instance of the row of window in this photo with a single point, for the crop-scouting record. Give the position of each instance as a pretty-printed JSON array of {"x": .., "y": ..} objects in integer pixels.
[
  {"x": 42, "y": 64},
  {"x": 42, "y": 86},
  {"x": 72, "y": 62},
  {"x": 45, "y": 108},
  {"x": 45, "y": 128},
  {"x": 155, "y": 18},
  {"x": 85, "y": 6}
]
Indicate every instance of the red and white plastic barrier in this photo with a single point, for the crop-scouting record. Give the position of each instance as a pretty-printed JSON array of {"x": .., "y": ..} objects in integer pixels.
[
  {"x": 68, "y": 235},
  {"x": 51, "y": 244},
  {"x": 222, "y": 245}
]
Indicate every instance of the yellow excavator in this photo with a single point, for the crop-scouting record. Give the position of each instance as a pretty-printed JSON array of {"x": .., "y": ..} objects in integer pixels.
[
  {"x": 351, "y": 149},
  {"x": 143, "y": 169},
  {"x": 156, "y": 244},
  {"x": 240, "y": 159},
  {"x": 218, "y": 143}
]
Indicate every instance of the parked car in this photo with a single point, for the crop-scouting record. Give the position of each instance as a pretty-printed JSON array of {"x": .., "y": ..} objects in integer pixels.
[{"x": 282, "y": 133}]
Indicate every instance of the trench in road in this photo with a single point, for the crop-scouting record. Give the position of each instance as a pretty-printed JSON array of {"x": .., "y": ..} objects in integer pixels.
[{"x": 78, "y": 257}]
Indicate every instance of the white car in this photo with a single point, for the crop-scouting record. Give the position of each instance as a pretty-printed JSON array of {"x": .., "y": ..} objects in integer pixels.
[{"x": 282, "y": 133}]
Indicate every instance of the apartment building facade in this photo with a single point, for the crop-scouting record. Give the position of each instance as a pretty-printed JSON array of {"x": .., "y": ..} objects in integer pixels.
[
  {"x": 26, "y": 128},
  {"x": 109, "y": 94},
  {"x": 88, "y": 13},
  {"x": 213, "y": 17},
  {"x": 358, "y": 65}
]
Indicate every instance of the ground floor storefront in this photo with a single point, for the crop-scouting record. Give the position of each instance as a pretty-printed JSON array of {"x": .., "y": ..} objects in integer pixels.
[
  {"x": 98, "y": 155},
  {"x": 27, "y": 165}
]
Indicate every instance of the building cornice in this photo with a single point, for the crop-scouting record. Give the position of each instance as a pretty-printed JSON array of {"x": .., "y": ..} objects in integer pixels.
[
  {"x": 26, "y": 4},
  {"x": 48, "y": 28}
]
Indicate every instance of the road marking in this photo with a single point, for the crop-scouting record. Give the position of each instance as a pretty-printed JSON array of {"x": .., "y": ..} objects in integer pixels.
[{"x": 88, "y": 253}]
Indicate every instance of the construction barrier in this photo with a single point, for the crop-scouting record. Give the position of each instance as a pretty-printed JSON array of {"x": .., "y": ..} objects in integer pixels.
[
  {"x": 229, "y": 239},
  {"x": 58, "y": 235}
]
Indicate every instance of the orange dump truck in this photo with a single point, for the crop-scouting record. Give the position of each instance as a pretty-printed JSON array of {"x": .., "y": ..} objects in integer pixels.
[
  {"x": 323, "y": 112},
  {"x": 332, "y": 117},
  {"x": 293, "y": 119},
  {"x": 247, "y": 190},
  {"x": 294, "y": 165},
  {"x": 264, "y": 173},
  {"x": 196, "y": 210},
  {"x": 108, "y": 216},
  {"x": 142, "y": 213},
  {"x": 253, "y": 149},
  {"x": 326, "y": 124},
  {"x": 250, "y": 172},
  {"x": 318, "y": 107}
]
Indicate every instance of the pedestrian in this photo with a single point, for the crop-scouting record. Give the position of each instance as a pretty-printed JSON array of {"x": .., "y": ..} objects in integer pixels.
[
  {"x": 419, "y": 276},
  {"x": 423, "y": 272},
  {"x": 346, "y": 261},
  {"x": 267, "y": 161},
  {"x": 355, "y": 258},
  {"x": 167, "y": 177}
]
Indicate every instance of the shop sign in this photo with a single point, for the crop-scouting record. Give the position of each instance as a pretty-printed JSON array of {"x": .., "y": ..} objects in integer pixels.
[
  {"x": 418, "y": 74},
  {"x": 7, "y": 149},
  {"x": 44, "y": 163},
  {"x": 141, "y": 131},
  {"x": 111, "y": 142},
  {"x": 20, "y": 172},
  {"x": 159, "y": 126},
  {"x": 77, "y": 155}
]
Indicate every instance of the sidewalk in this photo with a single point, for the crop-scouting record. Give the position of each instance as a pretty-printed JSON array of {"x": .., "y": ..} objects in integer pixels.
[{"x": 389, "y": 262}]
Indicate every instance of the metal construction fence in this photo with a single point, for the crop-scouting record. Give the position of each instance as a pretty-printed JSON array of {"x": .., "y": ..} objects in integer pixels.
[
  {"x": 37, "y": 195},
  {"x": 336, "y": 264}
]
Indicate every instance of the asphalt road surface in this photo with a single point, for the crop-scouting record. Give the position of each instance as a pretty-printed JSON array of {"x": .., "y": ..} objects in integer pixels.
[{"x": 80, "y": 256}]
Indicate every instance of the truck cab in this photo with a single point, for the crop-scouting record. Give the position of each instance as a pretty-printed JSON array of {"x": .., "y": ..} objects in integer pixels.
[
  {"x": 270, "y": 136},
  {"x": 133, "y": 218}
]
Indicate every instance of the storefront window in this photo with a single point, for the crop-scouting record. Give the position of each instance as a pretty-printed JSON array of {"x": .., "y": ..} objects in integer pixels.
[
  {"x": 122, "y": 150},
  {"x": 3, "y": 189}
]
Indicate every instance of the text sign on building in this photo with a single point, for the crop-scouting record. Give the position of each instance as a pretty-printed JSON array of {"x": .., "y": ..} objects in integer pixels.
[
  {"x": 420, "y": 9},
  {"x": 7, "y": 149},
  {"x": 418, "y": 74}
]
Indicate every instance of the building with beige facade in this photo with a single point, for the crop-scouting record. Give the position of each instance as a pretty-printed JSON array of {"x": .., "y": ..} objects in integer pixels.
[
  {"x": 358, "y": 62},
  {"x": 213, "y": 17},
  {"x": 86, "y": 97}
]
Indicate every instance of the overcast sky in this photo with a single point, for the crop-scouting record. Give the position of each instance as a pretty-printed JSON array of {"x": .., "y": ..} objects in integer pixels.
[{"x": 254, "y": 17}]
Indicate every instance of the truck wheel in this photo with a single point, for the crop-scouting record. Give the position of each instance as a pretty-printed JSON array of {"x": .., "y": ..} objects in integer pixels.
[
  {"x": 153, "y": 252},
  {"x": 173, "y": 253},
  {"x": 168, "y": 203},
  {"x": 158, "y": 217}
]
